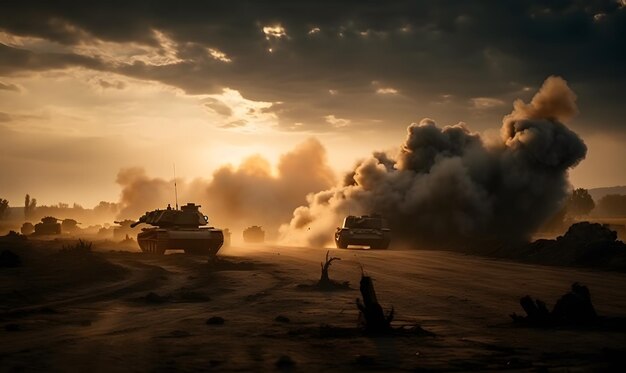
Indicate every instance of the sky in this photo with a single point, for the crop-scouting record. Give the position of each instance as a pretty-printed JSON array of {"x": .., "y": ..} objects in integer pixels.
[{"x": 90, "y": 88}]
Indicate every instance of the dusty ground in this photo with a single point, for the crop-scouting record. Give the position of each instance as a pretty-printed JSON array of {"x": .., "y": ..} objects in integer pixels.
[{"x": 95, "y": 312}]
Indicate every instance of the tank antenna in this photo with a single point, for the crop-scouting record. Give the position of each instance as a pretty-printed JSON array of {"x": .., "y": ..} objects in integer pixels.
[{"x": 175, "y": 188}]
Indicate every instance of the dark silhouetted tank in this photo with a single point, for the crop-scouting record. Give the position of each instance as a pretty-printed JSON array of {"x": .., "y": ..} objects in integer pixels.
[
  {"x": 254, "y": 234},
  {"x": 27, "y": 228},
  {"x": 227, "y": 235},
  {"x": 48, "y": 226},
  {"x": 363, "y": 230},
  {"x": 123, "y": 229},
  {"x": 178, "y": 230},
  {"x": 69, "y": 226}
]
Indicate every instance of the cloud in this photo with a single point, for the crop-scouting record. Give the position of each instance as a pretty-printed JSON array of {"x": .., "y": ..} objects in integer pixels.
[
  {"x": 219, "y": 55},
  {"x": 450, "y": 186},
  {"x": 337, "y": 122},
  {"x": 9, "y": 87},
  {"x": 202, "y": 50},
  {"x": 484, "y": 103},
  {"x": 276, "y": 31},
  {"x": 114, "y": 84},
  {"x": 218, "y": 106},
  {"x": 235, "y": 124},
  {"x": 428, "y": 48},
  {"x": 387, "y": 91}
]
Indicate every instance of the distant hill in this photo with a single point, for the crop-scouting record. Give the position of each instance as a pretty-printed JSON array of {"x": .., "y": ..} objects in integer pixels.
[{"x": 597, "y": 193}]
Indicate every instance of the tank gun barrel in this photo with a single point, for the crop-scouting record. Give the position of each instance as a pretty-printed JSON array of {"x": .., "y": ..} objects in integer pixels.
[{"x": 133, "y": 225}]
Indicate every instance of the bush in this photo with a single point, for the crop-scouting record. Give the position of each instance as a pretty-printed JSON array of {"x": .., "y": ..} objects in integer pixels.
[{"x": 81, "y": 246}]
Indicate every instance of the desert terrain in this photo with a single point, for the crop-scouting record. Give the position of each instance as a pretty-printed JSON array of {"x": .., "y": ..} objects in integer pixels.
[{"x": 123, "y": 310}]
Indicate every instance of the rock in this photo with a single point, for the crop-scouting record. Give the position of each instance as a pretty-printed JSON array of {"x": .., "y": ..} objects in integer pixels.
[
  {"x": 572, "y": 309},
  {"x": 365, "y": 360},
  {"x": 12, "y": 327},
  {"x": 215, "y": 320},
  {"x": 9, "y": 259},
  {"x": 155, "y": 298},
  {"x": 285, "y": 362}
]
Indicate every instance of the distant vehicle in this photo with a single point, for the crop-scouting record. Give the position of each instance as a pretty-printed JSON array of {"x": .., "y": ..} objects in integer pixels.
[
  {"x": 123, "y": 229},
  {"x": 69, "y": 226},
  {"x": 254, "y": 234},
  {"x": 27, "y": 228},
  {"x": 178, "y": 230},
  {"x": 227, "y": 235},
  {"x": 48, "y": 226},
  {"x": 364, "y": 230}
]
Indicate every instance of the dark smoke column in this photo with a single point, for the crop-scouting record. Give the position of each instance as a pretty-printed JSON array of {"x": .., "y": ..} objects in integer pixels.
[{"x": 449, "y": 186}]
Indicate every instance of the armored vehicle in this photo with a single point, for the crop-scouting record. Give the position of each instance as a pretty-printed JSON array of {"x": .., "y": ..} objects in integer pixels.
[
  {"x": 69, "y": 226},
  {"x": 48, "y": 225},
  {"x": 254, "y": 234},
  {"x": 178, "y": 230},
  {"x": 27, "y": 228},
  {"x": 227, "y": 235},
  {"x": 364, "y": 230},
  {"x": 123, "y": 229}
]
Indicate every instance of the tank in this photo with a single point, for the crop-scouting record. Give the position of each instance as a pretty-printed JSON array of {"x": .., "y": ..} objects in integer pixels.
[
  {"x": 227, "y": 235},
  {"x": 123, "y": 229},
  {"x": 175, "y": 229},
  {"x": 69, "y": 226},
  {"x": 48, "y": 226},
  {"x": 363, "y": 230},
  {"x": 27, "y": 228},
  {"x": 254, "y": 234}
]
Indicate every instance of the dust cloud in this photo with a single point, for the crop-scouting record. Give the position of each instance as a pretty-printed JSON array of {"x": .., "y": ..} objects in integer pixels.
[
  {"x": 450, "y": 185},
  {"x": 236, "y": 197}
]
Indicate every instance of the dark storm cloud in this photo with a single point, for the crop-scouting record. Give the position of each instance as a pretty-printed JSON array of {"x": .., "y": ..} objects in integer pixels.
[
  {"x": 14, "y": 60},
  {"x": 422, "y": 49}
]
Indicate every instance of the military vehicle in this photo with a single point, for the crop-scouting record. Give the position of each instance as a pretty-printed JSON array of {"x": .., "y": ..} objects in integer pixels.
[
  {"x": 176, "y": 229},
  {"x": 227, "y": 235},
  {"x": 48, "y": 226},
  {"x": 123, "y": 229},
  {"x": 363, "y": 230},
  {"x": 254, "y": 234},
  {"x": 69, "y": 226},
  {"x": 27, "y": 228}
]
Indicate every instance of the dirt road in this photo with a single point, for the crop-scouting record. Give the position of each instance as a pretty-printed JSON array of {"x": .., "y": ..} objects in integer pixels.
[{"x": 154, "y": 316}]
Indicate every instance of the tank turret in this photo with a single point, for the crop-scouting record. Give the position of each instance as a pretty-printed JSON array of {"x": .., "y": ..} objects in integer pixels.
[
  {"x": 175, "y": 229},
  {"x": 188, "y": 216},
  {"x": 123, "y": 229},
  {"x": 49, "y": 225}
]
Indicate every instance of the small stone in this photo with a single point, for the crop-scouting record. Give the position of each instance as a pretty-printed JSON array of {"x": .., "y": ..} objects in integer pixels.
[
  {"x": 155, "y": 298},
  {"x": 12, "y": 327},
  {"x": 365, "y": 360},
  {"x": 9, "y": 259},
  {"x": 285, "y": 362},
  {"x": 215, "y": 320}
]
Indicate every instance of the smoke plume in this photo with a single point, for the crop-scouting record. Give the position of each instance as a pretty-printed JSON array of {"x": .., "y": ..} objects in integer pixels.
[
  {"x": 236, "y": 197},
  {"x": 449, "y": 185}
]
